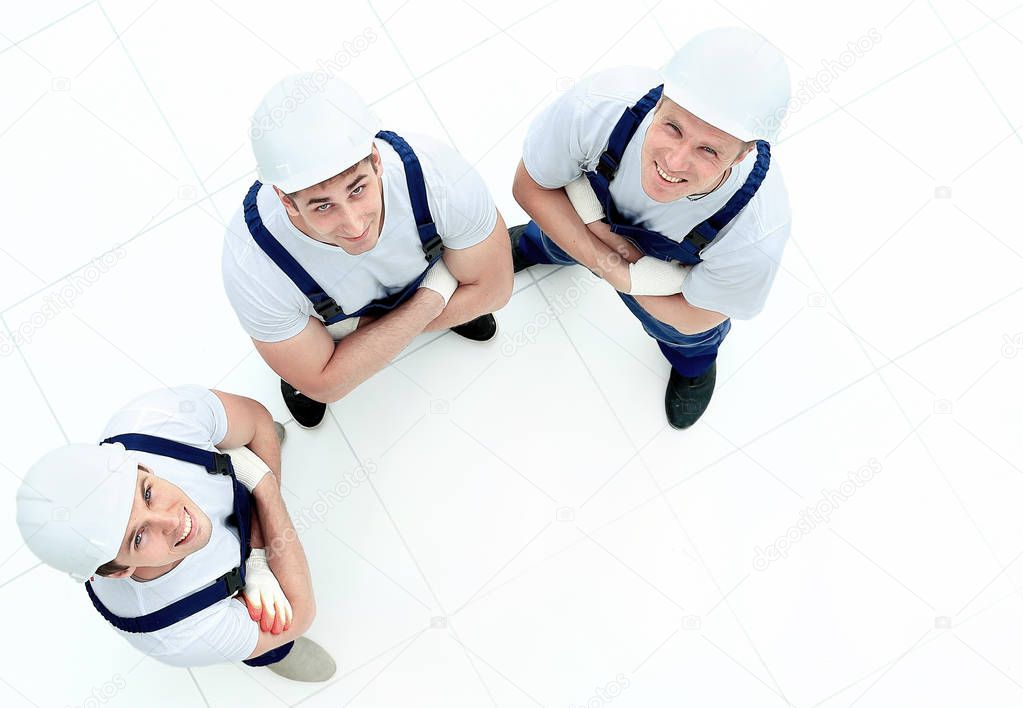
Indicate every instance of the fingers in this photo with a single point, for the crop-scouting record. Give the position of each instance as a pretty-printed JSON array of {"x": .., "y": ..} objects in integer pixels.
[
  {"x": 254, "y": 607},
  {"x": 269, "y": 614}
]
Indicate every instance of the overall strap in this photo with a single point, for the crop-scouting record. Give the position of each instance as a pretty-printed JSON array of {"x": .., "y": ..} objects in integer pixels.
[
  {"x": 623, "y": 131},
  {"x": 226, "y": 585},
  {"x": 707, "y": 231},
  {"x": 325, "y": 306},
  {"x": 432, "y": 244}
]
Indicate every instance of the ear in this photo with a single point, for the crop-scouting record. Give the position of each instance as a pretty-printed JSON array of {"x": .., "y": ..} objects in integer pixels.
[
  {"x": 745, "y": 151},
  {"x": 374, "y": 159},
  {"x": 123, "y": 573},
  {"x": 288, "y": 203}
]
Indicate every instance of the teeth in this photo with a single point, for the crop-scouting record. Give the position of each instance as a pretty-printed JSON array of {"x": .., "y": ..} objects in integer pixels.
[
  {"x": 664, "y": 175},
  {"x": 188, "y": 528}
]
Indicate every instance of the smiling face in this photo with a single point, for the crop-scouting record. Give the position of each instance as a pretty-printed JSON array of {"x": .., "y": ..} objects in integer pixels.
[
  {"x": 684, "y": 156},
  {"x": 346, "y": 210},
  {"x": 165, "y": 526}
]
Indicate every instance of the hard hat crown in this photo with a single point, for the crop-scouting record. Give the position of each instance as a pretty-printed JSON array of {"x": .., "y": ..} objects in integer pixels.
[
  {"x": 733, "y": 79},
  {"x": 309, "y": 128},
  {"x": 74, "y": 505}
]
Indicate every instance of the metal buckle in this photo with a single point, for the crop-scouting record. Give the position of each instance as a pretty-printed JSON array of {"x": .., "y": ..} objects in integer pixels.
[{"x": 233, "y": 580}]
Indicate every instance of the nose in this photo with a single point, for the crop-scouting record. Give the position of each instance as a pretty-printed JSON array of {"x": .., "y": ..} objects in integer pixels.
[
  {"x": 679, "y": 159},
  {"x": 168, "y": 521},
  {"x": 350, "y": 223}
]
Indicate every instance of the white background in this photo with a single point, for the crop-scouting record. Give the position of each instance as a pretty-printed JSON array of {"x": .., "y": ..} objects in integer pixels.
[{"x": 533, "y": 533}]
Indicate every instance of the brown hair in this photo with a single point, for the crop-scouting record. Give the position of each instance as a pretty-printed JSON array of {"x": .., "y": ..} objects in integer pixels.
[
  {"x": 109, "y": 568},
  {"x": 345, "y": 173}
]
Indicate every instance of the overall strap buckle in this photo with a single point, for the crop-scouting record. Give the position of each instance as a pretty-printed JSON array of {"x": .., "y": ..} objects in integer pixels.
[
  {"x": 233, "y": 580},
  {"x": 221, "y": 464},
  {"x": 328, "y": 309}
]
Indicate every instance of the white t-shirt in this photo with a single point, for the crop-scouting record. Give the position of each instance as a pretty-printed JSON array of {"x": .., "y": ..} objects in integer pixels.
[
  {"x": 738, "y": 268},
  {"x": 270, "y": 306},
  {"x": 223, "y": 632}
]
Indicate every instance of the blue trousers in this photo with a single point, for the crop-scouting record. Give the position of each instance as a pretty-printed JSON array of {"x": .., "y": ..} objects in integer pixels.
[{"x": 689, "y": 354}]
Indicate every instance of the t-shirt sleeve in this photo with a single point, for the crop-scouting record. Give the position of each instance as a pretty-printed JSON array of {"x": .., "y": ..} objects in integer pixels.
[
  {"x": 463, "y": 208},
  {"x": 263, "y": 313},
  {"x": 224, "y": 633},
  {"x": 188, "y": 414},
  {"x": 736, "y": 282},
  {"x": 553, "y": 152}
]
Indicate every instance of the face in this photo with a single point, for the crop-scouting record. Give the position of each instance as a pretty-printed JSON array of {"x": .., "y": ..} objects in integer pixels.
[
  {"x": 683, "y": 155},
  {"x": 165, "y": 526},
  {"x": 345, "y": 211}
]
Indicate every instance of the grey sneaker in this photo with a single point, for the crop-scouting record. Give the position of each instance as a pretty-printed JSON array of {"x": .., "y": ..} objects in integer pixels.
[
  {"x": 282, "y": 432},
  {"x": 307, "y": 661}
]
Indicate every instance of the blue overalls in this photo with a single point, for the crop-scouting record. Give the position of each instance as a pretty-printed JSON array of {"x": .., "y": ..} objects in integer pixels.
[
  {"x": 689, "y": 354},
  {"x": 223, "y": 587},
  {"x": 326, "y": 307}
]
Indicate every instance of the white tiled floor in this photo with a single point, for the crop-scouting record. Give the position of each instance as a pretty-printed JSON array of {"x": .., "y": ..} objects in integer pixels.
[{"x": 531, "y": 532}]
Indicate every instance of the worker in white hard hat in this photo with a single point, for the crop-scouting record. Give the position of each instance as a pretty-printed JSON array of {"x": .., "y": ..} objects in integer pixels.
[
  {"x": 354, "y": 242},
  {"x": 662, "y": 184},
  {"x": 165, "y": 521}
]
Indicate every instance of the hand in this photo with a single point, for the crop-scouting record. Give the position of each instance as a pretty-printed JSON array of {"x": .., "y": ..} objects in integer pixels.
[
  {"x": 440, "y": 280},
  {"x": 621, "y": 245},
  {"x": 652, "y": 276},
  {"x": 263, "y": 595},
  {"x": 249, "y": 468}
]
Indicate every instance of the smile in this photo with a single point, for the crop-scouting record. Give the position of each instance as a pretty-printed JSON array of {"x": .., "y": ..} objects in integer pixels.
[
  {"x": 361, "y": 236},
  {"x": 666, "y": 177},
  {"x": 187, "y": 532}
]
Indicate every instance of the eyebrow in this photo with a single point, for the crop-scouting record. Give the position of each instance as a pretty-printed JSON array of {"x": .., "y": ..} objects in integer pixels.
[
  {"x": 141, "y": 491},
  {"x": 351, "y": 185},
  {"x": 709, "y": 142}
]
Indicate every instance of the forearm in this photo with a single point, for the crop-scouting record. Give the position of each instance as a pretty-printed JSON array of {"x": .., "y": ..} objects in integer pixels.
[
  {"x": 674, "y": 310},
  {"x": 369, "y": 349},
  {"x": 265, "y": 444},
  {"x": 284, "y": 550},
  {"x": 555, "y": 215},
  {"x": 469, "y": 302}
]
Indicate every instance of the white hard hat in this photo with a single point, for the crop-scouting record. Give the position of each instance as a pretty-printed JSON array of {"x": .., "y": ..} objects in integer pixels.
[
  {"x": 308, "y": 128},
  {"x": 74, "y": 505},
  {"x": 733, "y": 79}
]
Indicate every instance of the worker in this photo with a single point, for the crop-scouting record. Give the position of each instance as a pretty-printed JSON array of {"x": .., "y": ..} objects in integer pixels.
[
  {"x": 177, "y": 510},
  {"x": 354, "y": 242},
  {"x": 663, "y": 184}
]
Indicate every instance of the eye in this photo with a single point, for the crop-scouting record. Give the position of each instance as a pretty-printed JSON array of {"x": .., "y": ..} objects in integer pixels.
[
  {"x": 675, "y": 128},
  {"x": 323, "y": 207},
  {"x": 358, "y": 190},
  {"x": 147, "y": 495},
  {"x": 711, "y": 151},
  {"x": 137, "y": 541}
]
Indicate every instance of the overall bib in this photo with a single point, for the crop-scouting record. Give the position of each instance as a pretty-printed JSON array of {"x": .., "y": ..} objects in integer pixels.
[
  {"x": 223, "y": 587},
  {"x": 689, "y": 354},
  {"x": 326, "y": 307}
]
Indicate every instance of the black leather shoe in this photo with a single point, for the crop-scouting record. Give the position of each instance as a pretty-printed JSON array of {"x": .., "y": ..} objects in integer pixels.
[
  {"x": 687, "y": 398},
  {"x": 519, "y": 260},
  {"x": 308, "y": 413},
  {"x": 480, "y": 329}
]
